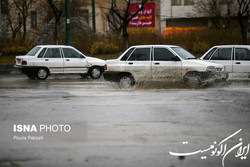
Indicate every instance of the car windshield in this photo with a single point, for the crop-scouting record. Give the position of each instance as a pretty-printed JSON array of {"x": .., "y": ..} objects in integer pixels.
[
  {"x": 183, "y": 53},
  {"x": 33, "y": 51}
]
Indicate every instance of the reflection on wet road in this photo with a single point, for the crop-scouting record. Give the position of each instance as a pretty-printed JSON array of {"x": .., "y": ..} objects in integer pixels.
[{"x": 125, "y": 127}]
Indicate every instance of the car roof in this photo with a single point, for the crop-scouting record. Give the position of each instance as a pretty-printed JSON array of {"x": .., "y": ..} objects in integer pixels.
[
  {"x": 154, "y": 46},
  {"x": 223, "y": 46},
  {"x": 52, "y": 46}
]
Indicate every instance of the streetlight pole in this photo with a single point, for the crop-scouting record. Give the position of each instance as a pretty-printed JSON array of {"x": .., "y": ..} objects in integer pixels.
[
  {"x": 93, "y": 15},
  {"x": 67, "y": 19}
]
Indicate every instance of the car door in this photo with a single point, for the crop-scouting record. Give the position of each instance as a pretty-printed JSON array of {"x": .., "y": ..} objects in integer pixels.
[
  {"x": 241, "y": 63},
  {"x": 52, "y": 59},
  {"x": 139, "y": 63},
  {"x": 223, "y": 56},
  {"x": 74, "y": 62},
  {"x": 165, "y": 64}
]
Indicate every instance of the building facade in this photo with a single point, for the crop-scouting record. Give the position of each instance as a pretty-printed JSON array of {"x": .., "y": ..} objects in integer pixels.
[
  {"x": 168, "y": 13},
  {"x": 194, "y": 13}
]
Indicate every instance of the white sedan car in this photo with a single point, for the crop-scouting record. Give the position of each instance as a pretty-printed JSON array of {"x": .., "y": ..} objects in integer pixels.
[
  {"x": 44, "y": 60},
  {"x": 161, "y": 62},
  {"x": 236, "y": 58}
]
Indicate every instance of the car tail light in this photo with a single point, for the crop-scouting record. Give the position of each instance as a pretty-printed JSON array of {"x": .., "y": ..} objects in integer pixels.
[
  {"x": 24, "y": 62},
  {"x": 105, "y": 67}
]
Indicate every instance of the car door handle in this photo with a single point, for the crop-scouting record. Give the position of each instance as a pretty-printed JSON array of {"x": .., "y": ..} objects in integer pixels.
[
  {"x": 130, "y": 63},
  {"x": 46, "y": 59},
  {"x": 237, "y": 63},
  {"x": 157, "y": 63},
  {"x": 67, "y": 59}
]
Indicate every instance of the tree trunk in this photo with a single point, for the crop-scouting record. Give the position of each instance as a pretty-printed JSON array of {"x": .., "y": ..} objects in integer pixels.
[
  {"x": 243, "y": 30},
  {"x": 24, "y": 29},
  {"x": 125, "y": 36},
  {"x": 56, "y": 33}
]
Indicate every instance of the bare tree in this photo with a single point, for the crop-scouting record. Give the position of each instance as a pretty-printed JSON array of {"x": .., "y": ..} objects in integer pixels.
[
  {"x": 15, "y": 25},
  {"x": 23, "y": 6},
  {"x": 12, "y": 20},
  {"x": 214, "y": 10},
  {"x": 115, "y": 23},
  {"x": 119, "y": 19},
  {"x": 57, "y": 13},
  {"x": 243, "y": 14}
]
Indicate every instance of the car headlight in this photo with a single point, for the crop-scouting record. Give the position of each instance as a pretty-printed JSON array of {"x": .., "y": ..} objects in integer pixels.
[{"x": 211, "y": 69}]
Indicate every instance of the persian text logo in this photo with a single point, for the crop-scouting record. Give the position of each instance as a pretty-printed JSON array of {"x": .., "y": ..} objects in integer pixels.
[{"x": 220, "y": 149}]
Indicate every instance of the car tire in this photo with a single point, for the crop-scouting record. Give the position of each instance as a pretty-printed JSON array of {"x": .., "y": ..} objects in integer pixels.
[
  {"x": 42, "y": 74},
  {"x": 95, "y": 72},
  {"x": 126, "y": 81}
]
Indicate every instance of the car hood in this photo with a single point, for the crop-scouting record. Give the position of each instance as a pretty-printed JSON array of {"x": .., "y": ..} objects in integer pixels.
[
  {"x": 95, "y": 61},
  {"x": 200, "y": 63}
]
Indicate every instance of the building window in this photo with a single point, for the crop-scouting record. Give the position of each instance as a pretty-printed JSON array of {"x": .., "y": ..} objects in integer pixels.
[
  {"x": 188, "y": 2},
  {"x": 33, "y": 19},
  {"x": 175, "y": 2}
]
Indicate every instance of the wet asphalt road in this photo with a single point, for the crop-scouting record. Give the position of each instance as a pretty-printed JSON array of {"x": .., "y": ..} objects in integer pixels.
[{"x": 135, "y": 127}]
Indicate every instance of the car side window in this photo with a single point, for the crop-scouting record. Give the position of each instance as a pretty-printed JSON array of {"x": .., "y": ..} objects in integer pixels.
[
  {"x": 52, "y": 53},
  {"x": 242, "y": 54},
  {"x": 222, "y": 54},
  {"x": 140, "y": 54},
  {"x": 207, "y": 57},
  {"x": 41, "y": 53},
  {"x": 71, "y": 53},
  {"x": 163, "y": 54},
  {"x": 125, "y": 57}
]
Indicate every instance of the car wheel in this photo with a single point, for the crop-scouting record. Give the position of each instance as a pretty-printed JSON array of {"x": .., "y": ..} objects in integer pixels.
[
  {"x": 193, "y": 81},
  {"x": 42, "y": 73},
  {"x": 31, "y": 76},
  {"x": 126, "y": 81},
  {"x": 95, "y": 72}
]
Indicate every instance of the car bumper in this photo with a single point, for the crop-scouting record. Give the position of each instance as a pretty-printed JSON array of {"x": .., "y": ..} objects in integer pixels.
[
  {"x": 221, "y": 75},
  {"x": 25, "y": 69},
  {"x": 215, "y": 76}
]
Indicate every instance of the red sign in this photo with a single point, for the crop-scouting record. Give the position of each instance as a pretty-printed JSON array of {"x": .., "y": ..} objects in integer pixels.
[{"x": 145, "y": 18}]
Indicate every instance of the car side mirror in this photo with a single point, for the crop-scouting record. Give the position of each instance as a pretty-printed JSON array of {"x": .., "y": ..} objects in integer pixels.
[
  {"x": 175, "y": 58},
  {"x": 82, "y": 57}
]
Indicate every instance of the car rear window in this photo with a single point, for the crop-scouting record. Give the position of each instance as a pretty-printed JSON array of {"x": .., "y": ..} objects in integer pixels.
[{"x": 33, "y": 51}]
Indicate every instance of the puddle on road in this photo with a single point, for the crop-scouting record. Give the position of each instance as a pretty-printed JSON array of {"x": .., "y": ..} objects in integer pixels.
[{"x": 75, "y": 82}]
